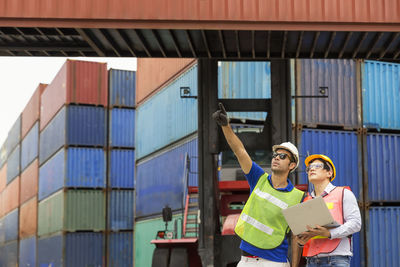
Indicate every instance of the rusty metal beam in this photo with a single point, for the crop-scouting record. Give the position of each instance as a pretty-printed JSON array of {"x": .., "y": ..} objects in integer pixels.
[
  {"x": 91, "y": 43},
  {"x": 333, "y": 35}
]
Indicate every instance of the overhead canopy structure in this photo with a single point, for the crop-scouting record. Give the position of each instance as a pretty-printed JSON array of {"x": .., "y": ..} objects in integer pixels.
[{"x": 240, "y": 29}]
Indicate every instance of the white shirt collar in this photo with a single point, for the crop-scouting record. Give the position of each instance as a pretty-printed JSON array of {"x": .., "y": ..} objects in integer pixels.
[{"x": 327, "y": 189}]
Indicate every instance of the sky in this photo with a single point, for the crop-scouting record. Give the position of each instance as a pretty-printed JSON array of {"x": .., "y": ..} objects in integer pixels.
[{"x": 20, "y": 76}]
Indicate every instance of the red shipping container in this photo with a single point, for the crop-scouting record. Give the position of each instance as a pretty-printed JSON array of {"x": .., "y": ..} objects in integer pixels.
[
  {"x": 31, "y": 112},
  {"x": 28, "y": 218},
  {"x": 3, "y": 177},
  {"x": 77, "y": 82},
  {"x": 11, "y": 196},
  {"x": 29, "y": 181},
  {"x": 153, "y": 73}
]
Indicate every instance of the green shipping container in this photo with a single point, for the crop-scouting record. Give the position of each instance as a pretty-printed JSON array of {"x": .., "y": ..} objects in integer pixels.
[
  {"x": 145, "y": 231},
  {"x": 72, "y": 210}
]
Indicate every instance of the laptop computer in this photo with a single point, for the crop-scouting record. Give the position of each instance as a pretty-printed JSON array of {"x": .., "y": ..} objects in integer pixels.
[{"x": 312, "y": 212}]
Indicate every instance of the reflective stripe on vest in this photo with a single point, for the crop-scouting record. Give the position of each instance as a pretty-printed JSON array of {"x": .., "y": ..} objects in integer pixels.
[
  {"x": 319, "y": 244},
  {"x": 261, "y": 222}
]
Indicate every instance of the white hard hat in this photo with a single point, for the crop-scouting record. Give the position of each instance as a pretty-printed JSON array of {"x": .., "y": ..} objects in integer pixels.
[{"x": 291, "y": 148}]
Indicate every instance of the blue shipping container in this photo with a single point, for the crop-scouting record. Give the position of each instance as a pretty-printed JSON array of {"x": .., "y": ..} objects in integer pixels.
[
  {"x": 161, "y": 179},
  {"x": 10, "y": 223},
  {"x": 13, "y": 164},
  {"x": 73, "y": 167},
  {"x": 340, "y": 79},
  {"x": 71, "y": 250},
  {"x": 381, "y": 95},
  {"x": 383, "y": 235},
  {"x": 9, "y": 254},
  {"x": 29, "y": 146},
  {"x": 14, "y": 135},
  {"x": 122, "y": 88},
  {"x": 121, "y": 168},
  {"x": 166, "y": 117},
  {"x": 73, "y": 125},
  {"x": 245, "y": 80},
  {"x": 383, "y": 161},
  {"x": 122, "y": 127},
  {"x": 120, "y": 249},
  {"x": 120, "y": 209},
  {"x": 27, "y": 252},
  {"x": 2, "y": 232},
  {"x": 342, "y": 148}
]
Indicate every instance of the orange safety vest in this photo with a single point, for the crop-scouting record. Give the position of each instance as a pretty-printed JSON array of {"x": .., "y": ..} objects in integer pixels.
[{"x": 319, "y": 244}]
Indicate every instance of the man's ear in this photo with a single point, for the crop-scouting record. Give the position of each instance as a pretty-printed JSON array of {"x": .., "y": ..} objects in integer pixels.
[{"x": 292, "y": 165}]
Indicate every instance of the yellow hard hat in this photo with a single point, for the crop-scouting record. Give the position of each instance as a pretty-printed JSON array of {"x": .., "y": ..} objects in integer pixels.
[{"x": 324, "y": 158}]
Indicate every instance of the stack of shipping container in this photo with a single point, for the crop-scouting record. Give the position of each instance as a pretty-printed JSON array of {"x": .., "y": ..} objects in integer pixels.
[
  {"x": 357, "y": 125},
  {"x": 345, "y": 109},
  {"x": 74, "y": 150},
  {"x": 72, "y": 172},
  {"x": 166, "y": 132},
  {"x": 121, "y": 167}
]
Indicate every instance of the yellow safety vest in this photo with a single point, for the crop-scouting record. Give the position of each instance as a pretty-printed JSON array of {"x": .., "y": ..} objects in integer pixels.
[{"x": 261, "y": 222}]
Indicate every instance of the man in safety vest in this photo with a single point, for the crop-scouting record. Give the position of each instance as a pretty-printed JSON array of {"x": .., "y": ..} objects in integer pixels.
[
  {"x": 261, "y": 225},
  {"x": 323, "y": 246}
]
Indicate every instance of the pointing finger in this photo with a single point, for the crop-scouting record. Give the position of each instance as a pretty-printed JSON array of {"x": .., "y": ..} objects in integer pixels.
[{"x": 222, "y": 108}]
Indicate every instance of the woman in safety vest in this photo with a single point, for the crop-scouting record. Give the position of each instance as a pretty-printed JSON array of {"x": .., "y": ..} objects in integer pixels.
[
  {"x": 323, "y": 246},
  {"x": 261, "y": 225}
]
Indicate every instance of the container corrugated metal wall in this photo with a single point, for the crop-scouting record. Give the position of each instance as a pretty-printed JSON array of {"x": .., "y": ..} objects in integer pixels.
[
  {"x": 2, "y": 232},
  {"x": 27, "y": 252},
  {"x": 344, "y": 150},
  {"x": 28, "y": 219},
  {"x": 381, "y": 95},
  {"x": 29, "y": 181},
  {"x": 30, "y": 146},
  {"x": 71, "y": 211},
  {"x": 77, "y": 82},
  {"x": 122, "y": 128},
  {"x": 31, "y": 112},
  {"x": 73, "y": 167},
  {"x": 73, "y": 125},
  {"x": 245, "y": 80},
  {"x": 160, "y": 179},
  {"x": 9, "y": 254},
  {"x": 383, "y": 161},
  {"x": 122, "y": 88},
  {"x": 11, "y": 196},
  {"x": 120, "y": 249},
  {"x": 121, "y": 168},
  {"x": 152, "y": 73},
  {"x": 341, "y": 105},
  {"x": 50, "y": 251},
  {"x": 11, "y": 226},
  {"x": 71, "y": 249},
  {"x": 166, "y": 117},
  {"x": 120, "y": 210},
  {"x": 13, "y": 164},
  {"x": 3, "y": 177},
  {"x": 14, "y": 135},
  {"x": 383, "y": 235},
  {"x": 3, "y": 154}
]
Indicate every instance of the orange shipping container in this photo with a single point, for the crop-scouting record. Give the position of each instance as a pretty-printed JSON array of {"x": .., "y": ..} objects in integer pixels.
[
  {"x": 31, "y": 112},
  {"x": 29, "y": 181},
  {"x": 79, "y": 82},
  {"x": 3, "y": 177},
  {"x": 28, "y": 219},
  {"x": 153, "y": 73},
  {"x": 11, "y": 196}
]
